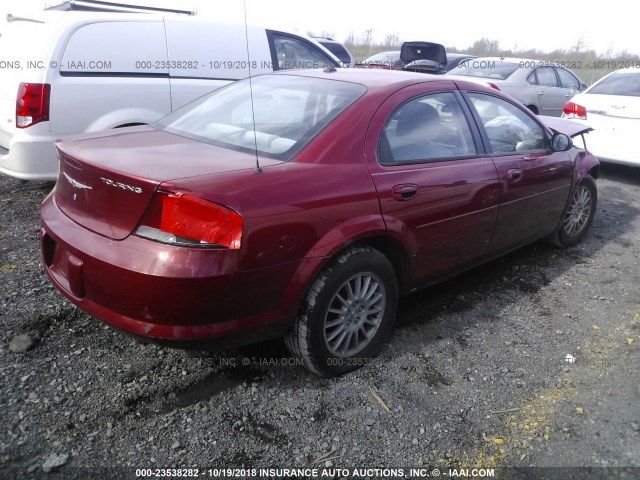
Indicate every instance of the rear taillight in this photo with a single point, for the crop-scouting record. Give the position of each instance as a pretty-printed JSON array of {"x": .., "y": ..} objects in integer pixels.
[
  {"x": 32, "y": 104},
  {"x": 493, "y": 85},
  {"x": 573, "y": 110},
  {"x": 186, "y": 220}
]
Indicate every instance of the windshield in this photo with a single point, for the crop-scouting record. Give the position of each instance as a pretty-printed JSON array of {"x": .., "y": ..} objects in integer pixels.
[
  {"x": 288, "y": 112},
  {"x": 486, "y": 69},
  {"x": 626, "y": 84}
]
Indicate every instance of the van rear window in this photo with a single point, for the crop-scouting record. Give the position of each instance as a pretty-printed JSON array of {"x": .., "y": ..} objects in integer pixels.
[{"x": 277, "y": 115}]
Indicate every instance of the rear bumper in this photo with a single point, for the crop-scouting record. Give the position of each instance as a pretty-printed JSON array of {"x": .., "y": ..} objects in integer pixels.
[
  {"x": 165, "y": 293},
  {"x": 31, "y": 156},
  {"x": 613, "y": 140}
]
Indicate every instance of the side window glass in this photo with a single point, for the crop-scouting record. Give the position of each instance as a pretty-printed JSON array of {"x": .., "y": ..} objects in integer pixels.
[
  {"x": 427, "y": 128},
  {"x": 293, "y": 53},
  {"x": 546, "y": 77},
  {"x": 508, "y": 128},
  {"x": 567, "y": 79}
]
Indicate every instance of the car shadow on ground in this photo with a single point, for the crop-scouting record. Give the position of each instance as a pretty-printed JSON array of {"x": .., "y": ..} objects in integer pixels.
[{"x": 620, "y": 173}]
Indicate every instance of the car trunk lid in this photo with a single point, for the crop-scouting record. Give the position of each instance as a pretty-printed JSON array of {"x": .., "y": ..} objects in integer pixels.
[
  {"x": 611, "y": 105},
  {"x": 107, "y": 180},
  {"x": 424, "y": 56}
]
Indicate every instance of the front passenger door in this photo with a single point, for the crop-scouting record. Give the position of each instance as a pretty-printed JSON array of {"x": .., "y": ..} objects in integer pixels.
[
  {"x": 535, "y": 181},
  {"x": 568, "y": 82}
]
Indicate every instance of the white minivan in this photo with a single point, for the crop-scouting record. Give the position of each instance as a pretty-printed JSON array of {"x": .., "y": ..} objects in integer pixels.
[{"x": 71, "y": 72}]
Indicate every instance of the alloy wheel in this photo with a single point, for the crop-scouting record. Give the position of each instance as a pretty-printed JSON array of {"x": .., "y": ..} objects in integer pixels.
[{"x": 354, "y": 315}]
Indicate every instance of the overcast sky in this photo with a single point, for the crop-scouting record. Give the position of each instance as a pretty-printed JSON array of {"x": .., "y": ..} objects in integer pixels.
[{"x": 542, "y": 24}]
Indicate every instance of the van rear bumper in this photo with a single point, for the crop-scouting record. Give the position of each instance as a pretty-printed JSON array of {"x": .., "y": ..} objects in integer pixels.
[{"x": 30, "y": 157}]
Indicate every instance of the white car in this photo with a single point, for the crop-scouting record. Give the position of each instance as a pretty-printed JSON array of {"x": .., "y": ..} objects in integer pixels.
[
  {"x": 611, "y": 106},
  {"x": 73, "y": 72}
]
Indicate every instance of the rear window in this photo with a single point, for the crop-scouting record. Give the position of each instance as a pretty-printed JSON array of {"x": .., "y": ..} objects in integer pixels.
[
  {"x": 486, "y": 69},
  {"x": 626, "y": 84},
  {"x": 288, "y": 111}
]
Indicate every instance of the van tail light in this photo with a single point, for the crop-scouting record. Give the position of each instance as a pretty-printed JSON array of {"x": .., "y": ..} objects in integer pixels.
[
  {"x": 32, "y": 104},
  {"x": 573, "y": 110},
  {"x": 186, "y": 220}
]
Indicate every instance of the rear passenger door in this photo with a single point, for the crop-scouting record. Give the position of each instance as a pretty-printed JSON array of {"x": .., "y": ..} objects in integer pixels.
[
  {"x": 438, "y": 191},
  {"x": 535, "y": 181}
]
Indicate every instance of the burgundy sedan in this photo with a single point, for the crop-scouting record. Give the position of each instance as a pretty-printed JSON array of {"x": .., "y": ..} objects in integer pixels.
[{"x": 303, "y": 204}]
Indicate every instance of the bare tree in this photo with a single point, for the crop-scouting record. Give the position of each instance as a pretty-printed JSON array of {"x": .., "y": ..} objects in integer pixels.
[
  {"x": 350, "y": 41},
  {"x": 579, "y": 46},
  {"x": 367, "y": 38},
  {"x": 485, "y": 47},
  {"x": 392, "y": 40}
]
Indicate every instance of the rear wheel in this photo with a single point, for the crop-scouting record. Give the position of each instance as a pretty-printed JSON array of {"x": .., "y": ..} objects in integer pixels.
[
  {"x": 579, "y": 213},
  {"x": 348, "y": 313}
]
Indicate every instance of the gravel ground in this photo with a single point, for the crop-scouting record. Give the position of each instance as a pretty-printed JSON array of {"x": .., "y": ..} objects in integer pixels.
[{"x": 475, "y": 373}]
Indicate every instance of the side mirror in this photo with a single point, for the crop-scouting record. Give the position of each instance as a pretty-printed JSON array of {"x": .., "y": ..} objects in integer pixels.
[
  {"x": 561, "y": 142},
  {"x": 583, "y": 86}
]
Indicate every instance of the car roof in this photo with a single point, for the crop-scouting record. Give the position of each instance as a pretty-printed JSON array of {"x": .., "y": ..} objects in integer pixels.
[
  {"x": 371, "y": 78},
  {"x": 460, "y": 55},
  {"x": 627, "y": 70}
]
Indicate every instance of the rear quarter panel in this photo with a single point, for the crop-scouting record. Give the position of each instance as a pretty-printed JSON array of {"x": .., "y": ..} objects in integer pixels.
[{"x": 305, "y": 210}]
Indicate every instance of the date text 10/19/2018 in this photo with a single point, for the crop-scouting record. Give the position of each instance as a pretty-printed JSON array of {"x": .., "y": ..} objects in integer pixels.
[
  {"x": 228, "y": 64},
  {"x": 313, "y": 472},
  {"x": 150, "y": 65}
]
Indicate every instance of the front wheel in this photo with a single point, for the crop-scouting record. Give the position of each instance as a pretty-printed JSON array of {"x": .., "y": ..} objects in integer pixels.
[
  {"x": 579, "y": 213},
  {"x": 347, "y": 314}
]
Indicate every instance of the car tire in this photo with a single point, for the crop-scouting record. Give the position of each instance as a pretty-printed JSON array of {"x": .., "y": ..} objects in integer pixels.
[
  {"x": 355, "y": 297},
  {"x": 578, "y": 215}
]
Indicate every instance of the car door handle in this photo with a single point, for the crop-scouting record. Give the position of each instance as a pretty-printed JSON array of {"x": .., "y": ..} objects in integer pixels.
[
  {"x": 529, "y": 157},
  {"x": 514, "y": 175},
  {"x": 405, "y": 192}
]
